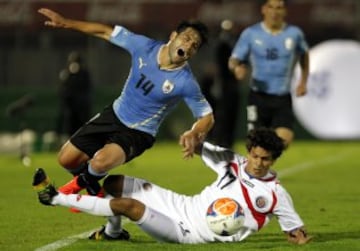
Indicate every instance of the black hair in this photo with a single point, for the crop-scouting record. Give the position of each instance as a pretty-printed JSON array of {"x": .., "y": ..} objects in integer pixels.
[
  {"x": 262, "y": 2},
  {"x": 200, "y": 27},
  {"x": 267, "y": 139}
]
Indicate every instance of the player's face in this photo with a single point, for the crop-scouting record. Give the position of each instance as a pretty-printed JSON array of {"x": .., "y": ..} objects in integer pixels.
[
  {"x": 274, "y": 12},
  {"x": 259, "y": 162},
  {"x": 184, "y": 45}
]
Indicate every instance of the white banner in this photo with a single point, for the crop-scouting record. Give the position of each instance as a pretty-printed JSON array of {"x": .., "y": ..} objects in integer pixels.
[{"x": 331, "y": 108}]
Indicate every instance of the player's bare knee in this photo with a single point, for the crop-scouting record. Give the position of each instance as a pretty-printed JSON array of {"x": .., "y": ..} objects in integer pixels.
[
  {"x": 101, "y": 163},
  {"x": 131, "y": 208},
  {"x": 121, "y": 206},
  {"x": 113, "y": 185},
  {"x": 63, "y": 160},
  {"x": 104, "y": 160}
]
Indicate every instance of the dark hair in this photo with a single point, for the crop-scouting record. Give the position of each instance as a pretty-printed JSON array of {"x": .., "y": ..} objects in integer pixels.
[
  {"x": 200, "y": 27},
  {"x": 265, "y": 138},
  {"x": 262, "y": 2}
]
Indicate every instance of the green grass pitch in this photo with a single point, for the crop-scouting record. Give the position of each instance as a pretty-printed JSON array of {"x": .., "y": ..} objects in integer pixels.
[{"x": 322, "y": 177}]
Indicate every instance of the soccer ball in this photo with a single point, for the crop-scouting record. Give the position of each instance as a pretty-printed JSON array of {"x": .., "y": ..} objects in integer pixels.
[{"x": 225, "y": 216}]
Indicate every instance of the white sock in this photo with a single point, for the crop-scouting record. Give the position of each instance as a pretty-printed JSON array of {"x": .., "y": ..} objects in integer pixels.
[
  {"x": 113, "y": 225},
  {"x": 86, "y": 203}
]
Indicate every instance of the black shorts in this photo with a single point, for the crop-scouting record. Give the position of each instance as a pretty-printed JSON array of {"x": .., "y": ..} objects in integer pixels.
[
  {"x": 106, "y": 128},
  {"x": 269, "y": 110}
]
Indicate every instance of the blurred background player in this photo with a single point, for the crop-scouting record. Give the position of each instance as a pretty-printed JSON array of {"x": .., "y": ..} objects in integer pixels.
[
  {"x": 75, "y": 95},
  {"x": 171, "y": 217},
  {"x": 221, "y": 88},
  {"x": 226, "y": 113},
  {"x": 271, "y": 48}
]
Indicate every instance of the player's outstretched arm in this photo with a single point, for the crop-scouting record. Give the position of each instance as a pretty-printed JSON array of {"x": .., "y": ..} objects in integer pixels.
[
  {"x": 58, "y": 21},
  {"x": 298, "y": 236},
  {"x": 196, "y": 135},
  {"x": 301, "y": 88}
]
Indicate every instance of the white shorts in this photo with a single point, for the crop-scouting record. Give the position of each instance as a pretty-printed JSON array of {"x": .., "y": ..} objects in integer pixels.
[{"x": 168, "y": 221}]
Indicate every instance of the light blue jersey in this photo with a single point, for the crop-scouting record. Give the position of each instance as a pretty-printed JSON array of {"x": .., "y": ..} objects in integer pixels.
[
  {"x": 150, "y": 93},
  {"x": 271, "y": 56}
]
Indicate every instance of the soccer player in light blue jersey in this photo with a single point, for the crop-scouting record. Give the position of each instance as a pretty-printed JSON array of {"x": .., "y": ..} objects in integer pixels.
[
  {"x": 271, "y": 49},
  {"x": 160, "y": 77}
]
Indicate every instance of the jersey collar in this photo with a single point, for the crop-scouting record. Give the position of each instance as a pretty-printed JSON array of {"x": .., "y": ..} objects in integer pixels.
[{"x": 266, "y": 29}]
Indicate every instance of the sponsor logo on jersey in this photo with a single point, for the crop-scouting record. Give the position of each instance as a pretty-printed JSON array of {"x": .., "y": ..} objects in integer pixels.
[
  {"x": 247, "y": 183},
  {"x": 289, "y": 43},
  {"x": 183, "y": 230},
  {"x": 78, "y": 197},
  {"x": 167, "y": 87},
  {"x": 260, "y": 202}
]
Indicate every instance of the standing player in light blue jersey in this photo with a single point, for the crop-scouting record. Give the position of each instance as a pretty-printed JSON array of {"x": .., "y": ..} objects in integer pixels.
[
  {"x": 271, "y": 49},
  {"x": 159, "y": 79}
]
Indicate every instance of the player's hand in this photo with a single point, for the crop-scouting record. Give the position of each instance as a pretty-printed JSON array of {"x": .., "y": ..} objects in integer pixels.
[
  {"x": 188, "y": 140},
  {"x": 240, "y": 72},
  {"x": 56, "y": 20},
  {"x": 301, "y": 89},
  {"x": 298, "y": 236}
]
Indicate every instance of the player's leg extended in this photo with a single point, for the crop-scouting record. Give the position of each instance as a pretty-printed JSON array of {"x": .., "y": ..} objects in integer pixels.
[
  {"x": 286, "y": 134},
  {"x": 283, "y": 119},
  {"x": 154, "y": 223},
  {"x": 113, "y": 230},
  {"x": 160, "y": 226},
  {"x": 72, "y": 158},
  {"x": 104, "y": 160},
  {"x": 108, "y": 157},
  {"x": 110, "y": 206},
  {"x": 75, "y": 162},
  {"x": 113, "y": 186}
]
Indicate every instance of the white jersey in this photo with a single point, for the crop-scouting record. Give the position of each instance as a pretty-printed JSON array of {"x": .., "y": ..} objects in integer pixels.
[{"x": 259, "y": 198}]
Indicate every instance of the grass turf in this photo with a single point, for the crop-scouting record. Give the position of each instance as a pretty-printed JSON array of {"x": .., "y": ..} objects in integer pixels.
[{"x": 324, "y": 188}]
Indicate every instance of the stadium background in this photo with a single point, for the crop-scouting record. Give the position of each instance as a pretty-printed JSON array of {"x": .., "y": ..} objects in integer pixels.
[{"x": 31, "y": 55}]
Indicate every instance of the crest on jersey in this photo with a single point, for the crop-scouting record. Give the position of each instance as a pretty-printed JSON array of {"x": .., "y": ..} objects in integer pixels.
[
  {"x": 289, "y": 43},
  {"x": 167, "y": 87},
  {"x": 258, "y": 42},
  {"x": 260, "y": 202}
]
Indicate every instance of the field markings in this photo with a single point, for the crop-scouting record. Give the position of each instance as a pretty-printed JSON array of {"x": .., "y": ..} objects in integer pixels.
[
  {"x": 310, "y": 164},
  {"x": 64, "y": 242},
  {"x": 282, "y": 173},
  {"x": 71, "y": 239}
]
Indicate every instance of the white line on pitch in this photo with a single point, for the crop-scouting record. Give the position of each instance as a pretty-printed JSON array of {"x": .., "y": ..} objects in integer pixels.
[
  {"x": 71, "y": 239},
  {"x": 64, "y": 242},
  {"x": 309, "y": 164}
]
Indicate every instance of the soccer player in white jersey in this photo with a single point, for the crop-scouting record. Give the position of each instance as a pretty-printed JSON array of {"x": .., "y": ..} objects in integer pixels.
[
  {"x": 171, "y": 217},
  {"x": 160, "y": 78},
  {"x": 271, "y": 48}
]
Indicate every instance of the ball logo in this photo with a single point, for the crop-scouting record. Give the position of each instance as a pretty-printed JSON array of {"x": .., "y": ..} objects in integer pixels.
[
  {"x": 225, "y": 216},
  {"x": 319, "y": 86}
]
